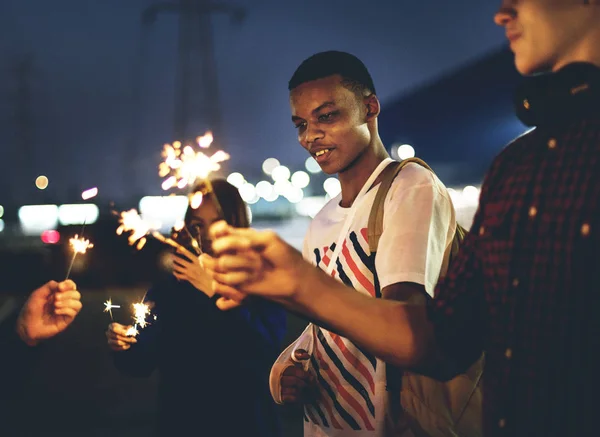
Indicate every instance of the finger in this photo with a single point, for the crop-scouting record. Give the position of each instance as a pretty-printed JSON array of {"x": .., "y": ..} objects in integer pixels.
[
  {"x": 233, "y": 278},
  {"x": 69, "y": 312},
  {"x": 290, "y": 391},
  {"x": 225, "y": 304},
  {"x": 180, "y": 262},
  {"x": 244, "y": 238},
  {"x": 179, "y": 270},
  {"x": 117, "y": 328},
  {"x": 247, "y": 261},
  {"x": 206, "y": 260},
  {"x": 301, "y": 355},
  {"x": 219, "y": 229},
  {"x": 118, "y": 345},
  {"x": 292, "y": 381},
  {"x": 230, "y": 243},
  {"x": 68, "y": 304},
  {"x": 180, "y": 276},
  {"x": 296, "y": 373},
  {"x": 228, "y": 292},
  {"x": 125, "y": 339},
  {"x": 182, "y": 251},
  {"x": 67, "y": 285},
  {"x": 67, "y": 295},
  {"x": 290, "y": 399}
]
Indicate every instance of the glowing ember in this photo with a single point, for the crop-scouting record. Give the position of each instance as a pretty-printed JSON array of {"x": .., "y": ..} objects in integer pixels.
[
  {"x": 205, "y": 140},
  {"x": 131, "y": 331},
  {"x": 181, "y": 167},
  {"x": 196, "y": 200},
  {"x": 80, "y": 244},
  {"x": 140, "y": 311},
  {"x": 108, "y": 306},
  {"x": 131, "y": 221}
]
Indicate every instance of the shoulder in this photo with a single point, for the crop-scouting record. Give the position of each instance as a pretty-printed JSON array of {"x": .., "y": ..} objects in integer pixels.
[
  {"x": 415, "y": 176},
  {"x": 326, "y": 213},
  {"x": 512, "y": 152}
]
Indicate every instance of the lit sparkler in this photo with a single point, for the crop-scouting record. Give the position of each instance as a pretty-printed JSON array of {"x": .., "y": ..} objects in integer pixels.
[
  {"x": 132, "y": 221},
  {"x": 108, "y": 306},
  {"x": 79, "y": 245},
  {"x": 181, "y": 167},
  {"x": 140, "y": 311}
]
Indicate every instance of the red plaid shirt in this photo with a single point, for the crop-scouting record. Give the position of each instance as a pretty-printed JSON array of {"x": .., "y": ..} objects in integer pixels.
[{"x": 525, "y": 287}]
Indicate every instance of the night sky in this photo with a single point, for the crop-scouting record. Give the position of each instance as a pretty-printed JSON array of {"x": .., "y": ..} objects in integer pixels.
[{"x": 84, "y": 51}]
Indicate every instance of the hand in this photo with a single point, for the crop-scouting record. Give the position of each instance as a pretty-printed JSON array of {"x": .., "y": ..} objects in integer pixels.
[
  {"x": 250, "y": 262},
  {"x": 49, "y": 310},
  {"x": 297, "y": 384},
  {"x": 118, "y": 340},
  {"x": 187, "y": 267}
]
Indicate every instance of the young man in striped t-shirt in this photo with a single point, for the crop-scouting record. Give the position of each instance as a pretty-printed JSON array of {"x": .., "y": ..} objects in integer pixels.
[{"x": 334, "y": 109}]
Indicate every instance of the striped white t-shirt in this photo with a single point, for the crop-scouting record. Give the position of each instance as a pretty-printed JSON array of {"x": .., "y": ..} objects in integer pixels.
[{"x": 419, "y": 223}]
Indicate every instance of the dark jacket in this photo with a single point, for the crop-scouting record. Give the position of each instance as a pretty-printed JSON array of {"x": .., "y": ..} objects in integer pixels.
[
  {"x": 16, "y": 365},
  {"x": 213, "y": 365}
]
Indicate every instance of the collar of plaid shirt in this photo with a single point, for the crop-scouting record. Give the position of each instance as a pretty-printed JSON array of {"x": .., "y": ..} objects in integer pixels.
[{"x": 560, "y": 97}]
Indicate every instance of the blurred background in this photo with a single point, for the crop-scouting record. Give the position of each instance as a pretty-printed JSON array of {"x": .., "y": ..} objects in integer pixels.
[{"x": 91, "y": 90}]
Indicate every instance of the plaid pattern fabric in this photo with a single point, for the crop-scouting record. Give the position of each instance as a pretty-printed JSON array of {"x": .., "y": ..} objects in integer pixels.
[{"x": 525, "y": 285}]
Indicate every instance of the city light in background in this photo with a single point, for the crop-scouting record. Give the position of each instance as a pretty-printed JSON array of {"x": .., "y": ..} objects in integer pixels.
[
  {"x": 41, "y": 182},
  {"x": 282, "y": 192}
]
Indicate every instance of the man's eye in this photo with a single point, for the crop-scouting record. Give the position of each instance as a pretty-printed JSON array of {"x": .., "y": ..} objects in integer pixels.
[
  {"x": 300, "y": 125},
  {"x": 326, "y": 117}
]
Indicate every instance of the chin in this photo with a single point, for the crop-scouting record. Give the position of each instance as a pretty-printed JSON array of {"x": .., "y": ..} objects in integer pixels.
[{"x": 529, "y": 67}]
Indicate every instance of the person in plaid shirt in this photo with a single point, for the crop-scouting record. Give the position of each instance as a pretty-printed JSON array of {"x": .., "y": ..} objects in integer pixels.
[{"x": 525, "y": 287}]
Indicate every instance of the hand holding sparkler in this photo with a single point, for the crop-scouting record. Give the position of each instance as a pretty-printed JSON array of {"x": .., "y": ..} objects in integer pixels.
[
  {"x": 187, "y": 267},
  {"x": 119, "y": 337}
]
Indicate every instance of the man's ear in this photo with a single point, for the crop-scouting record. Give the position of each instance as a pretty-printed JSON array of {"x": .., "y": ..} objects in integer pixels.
[{"x": 372, "y": 105}]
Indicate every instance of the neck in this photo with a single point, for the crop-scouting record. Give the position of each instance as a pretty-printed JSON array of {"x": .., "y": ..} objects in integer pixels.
[
  {"x": 353, "y": 178},
  {"x": 588, "y": 50}
]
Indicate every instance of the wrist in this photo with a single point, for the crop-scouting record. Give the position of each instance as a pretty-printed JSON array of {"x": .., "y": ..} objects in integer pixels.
[
  {"x": 22, "y": 333},
  {"x": 306, "y": 284}
]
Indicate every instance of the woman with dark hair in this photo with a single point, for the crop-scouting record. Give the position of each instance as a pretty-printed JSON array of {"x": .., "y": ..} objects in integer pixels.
[{"x": 213, "y": 365}]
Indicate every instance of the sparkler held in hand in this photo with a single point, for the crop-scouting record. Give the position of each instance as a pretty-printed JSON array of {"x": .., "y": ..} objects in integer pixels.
[
  {"x": 183, "y": 167},
  {"x": 79, "y": 245},
  {"x": 132, "y": 221},
  {"x": 108, "y": 306}
]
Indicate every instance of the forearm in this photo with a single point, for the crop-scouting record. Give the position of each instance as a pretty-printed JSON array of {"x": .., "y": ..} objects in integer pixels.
[{"x": 396, "y": 332}]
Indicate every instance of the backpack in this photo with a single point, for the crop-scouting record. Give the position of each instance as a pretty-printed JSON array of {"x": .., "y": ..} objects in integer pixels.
[{"x": 418, "y": 403}]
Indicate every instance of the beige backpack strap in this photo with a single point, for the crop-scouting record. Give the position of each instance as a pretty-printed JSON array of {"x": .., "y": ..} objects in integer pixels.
[{"x": 375, "y": 228}]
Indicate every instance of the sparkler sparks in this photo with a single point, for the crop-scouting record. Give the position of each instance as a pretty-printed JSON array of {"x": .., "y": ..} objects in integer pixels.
[
  {"x": 182, "y": 166},
  {"x": 108, "y": 306},
  {"x": 131, "y": 331},
  {"x": 131, "y": 221},
  {"x": 79, "y": 245},
  {"x": 140, "y": 311}
]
